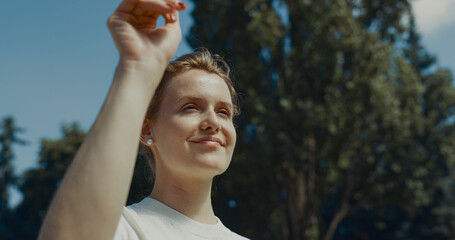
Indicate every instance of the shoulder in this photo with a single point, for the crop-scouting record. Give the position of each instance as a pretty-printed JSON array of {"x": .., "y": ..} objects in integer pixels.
[
  {"x": 134, "y": 221},
  {"x": 228, "y": 234},
  {"x": 145, "y": 220},
  {"x": 127, "y": 227},
  {"x": 235, "y": 236},
  {"x": 151, "y": 219}
]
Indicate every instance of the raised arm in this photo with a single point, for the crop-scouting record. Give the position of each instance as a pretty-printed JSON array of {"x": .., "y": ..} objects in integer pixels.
[{"x": 89, "y": 201}]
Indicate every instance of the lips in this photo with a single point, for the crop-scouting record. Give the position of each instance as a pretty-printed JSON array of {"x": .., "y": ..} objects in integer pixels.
[{"x": 208, "y": 140}]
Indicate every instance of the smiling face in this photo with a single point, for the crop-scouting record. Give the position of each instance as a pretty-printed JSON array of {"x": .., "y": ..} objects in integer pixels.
[{"x": 193, "y": 131}]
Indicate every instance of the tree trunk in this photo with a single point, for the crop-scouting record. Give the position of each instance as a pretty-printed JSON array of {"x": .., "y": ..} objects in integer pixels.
[
  {"x": 343, "y": 212},
  {"x": 297, "y": 200},
  {"x": 336, "y": 221}
]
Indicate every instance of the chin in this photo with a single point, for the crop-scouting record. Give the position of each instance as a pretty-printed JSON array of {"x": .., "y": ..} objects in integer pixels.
[{"x": 213, "y": 166}]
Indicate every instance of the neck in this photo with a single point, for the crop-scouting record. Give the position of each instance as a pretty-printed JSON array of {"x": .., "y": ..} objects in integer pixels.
[{"x": 189, "y": 197}]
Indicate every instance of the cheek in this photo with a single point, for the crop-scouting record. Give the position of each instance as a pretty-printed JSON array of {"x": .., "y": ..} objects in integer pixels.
[
  {"x": 170, "y": 143},
  {"x": 234, "y": 134},
  {"x": 174, "y": 130},
  {"x": 231, "y": 133}
]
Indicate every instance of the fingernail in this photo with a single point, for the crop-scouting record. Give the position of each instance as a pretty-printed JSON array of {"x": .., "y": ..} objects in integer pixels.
[
  {"x": 170, "y": 5},
  {"x": 182, "y": 4}
]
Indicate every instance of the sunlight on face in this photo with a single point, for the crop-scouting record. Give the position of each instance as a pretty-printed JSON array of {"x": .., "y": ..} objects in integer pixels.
[{"x": 193, "y": 131}]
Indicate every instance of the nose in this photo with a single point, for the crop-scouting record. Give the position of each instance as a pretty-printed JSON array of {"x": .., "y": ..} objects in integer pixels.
[{"x": 210, "y": 122}]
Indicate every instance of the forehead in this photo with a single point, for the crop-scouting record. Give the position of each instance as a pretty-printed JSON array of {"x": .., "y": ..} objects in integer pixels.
[{"x": 197, "y": 84}]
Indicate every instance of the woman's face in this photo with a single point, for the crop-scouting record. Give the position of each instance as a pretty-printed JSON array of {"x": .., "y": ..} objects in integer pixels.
[{"x": 193, "y": 131}]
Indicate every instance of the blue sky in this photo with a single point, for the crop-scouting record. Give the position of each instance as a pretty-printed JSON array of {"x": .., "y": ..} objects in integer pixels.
[{"x": 57, "y": 61}]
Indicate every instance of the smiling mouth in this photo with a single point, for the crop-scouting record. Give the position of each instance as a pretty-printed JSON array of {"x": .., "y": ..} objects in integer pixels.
[{"x": 209, "y": 141}]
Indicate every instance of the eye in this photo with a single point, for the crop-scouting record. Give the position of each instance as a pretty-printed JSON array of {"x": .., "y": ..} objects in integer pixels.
[
  {"x": 225, "y": 112},
  {"x": 189, "y": 107}
]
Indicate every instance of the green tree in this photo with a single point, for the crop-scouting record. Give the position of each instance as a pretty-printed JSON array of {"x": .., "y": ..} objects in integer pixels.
[
  {"x": 8, "y": 137},
  {"x": 39, "y": 184},
  {"x": 340, "y": 121}
]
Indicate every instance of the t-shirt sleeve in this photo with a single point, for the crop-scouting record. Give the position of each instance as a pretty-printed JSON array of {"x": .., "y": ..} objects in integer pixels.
[{"x": 125, "y": 231}]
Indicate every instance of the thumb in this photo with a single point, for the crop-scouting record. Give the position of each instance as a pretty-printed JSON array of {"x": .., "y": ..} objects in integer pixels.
[
  {"x": 172, "y": 20},
  {"x": 172, "y": 23}
]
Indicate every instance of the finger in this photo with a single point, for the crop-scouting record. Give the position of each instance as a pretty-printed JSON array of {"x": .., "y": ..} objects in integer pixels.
[
  {"x": 138, "y": 11},
  {"x": 157, "y": 6},
  {"x": 147, "y": 5},
  {"x": 119, "y": 18},
  {"x": 181, "y": 6},
  {"x": 178, "y": 5},
  {"x": 169, "y": 17},
  {"x": 172, "y": 20},
  {"x": 172, "y": 27},
  {"x": 148, "y": 22},
  {"x": 127, "y": 5}
]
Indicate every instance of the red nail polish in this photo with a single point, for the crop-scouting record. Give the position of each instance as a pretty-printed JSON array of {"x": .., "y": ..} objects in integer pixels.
[{"x": 182, "y": 4}]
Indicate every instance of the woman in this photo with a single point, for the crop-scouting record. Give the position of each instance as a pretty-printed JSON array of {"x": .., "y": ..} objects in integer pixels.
[{"x": 188, "y": 128}]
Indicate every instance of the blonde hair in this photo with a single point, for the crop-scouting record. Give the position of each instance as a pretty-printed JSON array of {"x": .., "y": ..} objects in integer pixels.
[{"x": 202, "y": 59}]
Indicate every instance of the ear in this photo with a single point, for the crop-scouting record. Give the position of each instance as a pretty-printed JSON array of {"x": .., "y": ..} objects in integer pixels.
[
  {"x": 146, "y": 133},
  {"x": 144, "y": 140}
]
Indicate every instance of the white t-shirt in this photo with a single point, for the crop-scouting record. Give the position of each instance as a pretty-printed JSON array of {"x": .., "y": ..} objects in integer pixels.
[{"x": 153, "y": 220}]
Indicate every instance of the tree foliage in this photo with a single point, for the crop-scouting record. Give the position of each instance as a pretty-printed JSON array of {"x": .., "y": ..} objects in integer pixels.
[
  {"x": 347, "y": 128},
  {"x": 345, "y": 131},
  {"x": 38, "y": 185},
  {"x": 8, "y": 179}
]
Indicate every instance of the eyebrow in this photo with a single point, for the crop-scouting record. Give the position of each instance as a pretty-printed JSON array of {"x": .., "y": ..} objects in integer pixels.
[{"x": 197, "y": 99}]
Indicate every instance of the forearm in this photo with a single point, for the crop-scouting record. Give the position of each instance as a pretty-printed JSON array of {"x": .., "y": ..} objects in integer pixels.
[{"x": 89, "y": 200}]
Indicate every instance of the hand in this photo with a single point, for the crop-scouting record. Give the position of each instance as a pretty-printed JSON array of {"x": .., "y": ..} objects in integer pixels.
[{"x": 133, "y": 28}]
